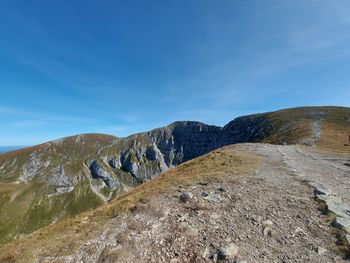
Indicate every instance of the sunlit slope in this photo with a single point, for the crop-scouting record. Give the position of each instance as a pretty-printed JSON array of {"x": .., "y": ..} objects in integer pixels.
[
  {"x": 45, "y": 183},
  {"x": 328, "y": 127},
  {"x": 66, "y": 236},
  {"x": 36, "y": 184}
]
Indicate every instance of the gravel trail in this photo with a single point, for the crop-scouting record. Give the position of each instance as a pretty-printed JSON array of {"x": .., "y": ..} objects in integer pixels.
[{"x": 267, "y": 216}]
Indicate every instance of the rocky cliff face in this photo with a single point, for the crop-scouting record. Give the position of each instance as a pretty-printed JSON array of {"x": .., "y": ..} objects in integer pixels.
[
  {"x": 138, "y": 158},
  {"x": 182, "y": 141},
  {"x": 146, "y": 155},
  {"x": 87, "y": 170}
]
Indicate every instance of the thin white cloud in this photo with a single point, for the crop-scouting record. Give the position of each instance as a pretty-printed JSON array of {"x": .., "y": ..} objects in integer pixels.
[{"x": 232, "y": 80}]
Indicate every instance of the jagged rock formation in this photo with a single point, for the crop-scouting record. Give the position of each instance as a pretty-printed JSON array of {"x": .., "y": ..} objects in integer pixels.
[
  {"x": 31, "y": 168},
  {"x": 58, "y": 179},
  {"x": 219, "y": 207},
  {"x": 82, "y": 172},
  {"x": 97, "y": 172},
  {"x": 182, "y": 141}
]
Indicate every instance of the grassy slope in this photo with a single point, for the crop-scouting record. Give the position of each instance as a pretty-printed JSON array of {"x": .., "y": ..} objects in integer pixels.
[
  {"x": 335, "y": 131},
  {"x": 334, "y": 123},
  {"x": 27, "y": 207},
  {"x": 66, "y": 236},
  {"x": 24, "y": 211},
  {"x": 291, "y": 126}
]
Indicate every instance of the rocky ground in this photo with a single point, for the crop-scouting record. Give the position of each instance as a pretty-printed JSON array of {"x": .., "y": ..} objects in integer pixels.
[
  {"x": 271, "y": 215},
  {"x": 50, "y": 182}
]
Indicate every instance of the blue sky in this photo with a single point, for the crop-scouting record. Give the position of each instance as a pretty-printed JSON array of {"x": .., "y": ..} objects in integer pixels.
[{"x": 120, "y": 67}]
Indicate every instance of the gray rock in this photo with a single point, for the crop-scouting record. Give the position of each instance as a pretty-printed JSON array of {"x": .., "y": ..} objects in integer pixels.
[
  {"x": 321, "y": 250},
  {"x": 267, "y": 223},
  {"x": 179, "y": 142},
  {"x": 185, "y": 197},
  {"x": 58, "y": 177},
  {"x": 228, "y": 252},
  {"x": 113, "y": 161},
  {"x": 97, "y": 172},
  {"x": 182, "y": 141},
  {"x": 335, "y": 205},
  {"x": 143, "y": 162},
  {"x": 31, "y": 168},
  {"x": 213, "y": 198},
  {"x": 298, "y": 231},
  {"x": 62, "y": 190}
]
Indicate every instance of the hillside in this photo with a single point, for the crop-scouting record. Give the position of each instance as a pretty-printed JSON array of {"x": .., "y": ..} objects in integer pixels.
[
  {"x": 218, "y": 207},
  {"x": 45, "y": 183}
]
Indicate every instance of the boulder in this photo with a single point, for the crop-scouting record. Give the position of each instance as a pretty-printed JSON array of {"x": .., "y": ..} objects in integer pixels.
[{"x": 228, "y": 252}]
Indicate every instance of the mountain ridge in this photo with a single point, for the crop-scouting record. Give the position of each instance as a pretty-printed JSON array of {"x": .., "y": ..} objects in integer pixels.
[{"x": 84, "y": 171}]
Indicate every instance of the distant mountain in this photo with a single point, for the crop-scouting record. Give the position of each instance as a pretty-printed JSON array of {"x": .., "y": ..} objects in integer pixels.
[
  {"x": 42, "y": 184},
  {"x": 4, "y": 149}
]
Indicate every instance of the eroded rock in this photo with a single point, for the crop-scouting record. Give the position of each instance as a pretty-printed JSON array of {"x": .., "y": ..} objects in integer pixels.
[
  {"x": 59, "y": 178},
  {"x": 31, "y": 168},
  {"x": 97, "y": 172}
]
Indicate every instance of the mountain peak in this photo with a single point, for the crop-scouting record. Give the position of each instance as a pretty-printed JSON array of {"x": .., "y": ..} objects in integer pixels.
[{"x": 89, "y": 169}]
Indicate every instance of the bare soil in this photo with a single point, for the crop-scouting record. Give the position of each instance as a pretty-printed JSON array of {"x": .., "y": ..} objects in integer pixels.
[{"x": 270, "y": 214}]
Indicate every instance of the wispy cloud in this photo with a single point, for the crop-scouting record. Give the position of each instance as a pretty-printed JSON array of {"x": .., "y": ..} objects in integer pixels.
[{"x": 227, "y": 81}]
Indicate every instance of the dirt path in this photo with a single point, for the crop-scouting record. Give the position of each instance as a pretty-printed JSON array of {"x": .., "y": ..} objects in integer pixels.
[
  {"x": 329, "y": 175},
  {"x": 331, "y": 172},
  {"x": 269, "y": 216}
]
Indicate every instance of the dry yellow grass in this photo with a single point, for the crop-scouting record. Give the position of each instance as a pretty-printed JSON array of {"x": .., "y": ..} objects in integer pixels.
[
  {"x": 334, "y": 137},
  {"x": 67, "y": 235},
  {"x": 288, "y": 126}
]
